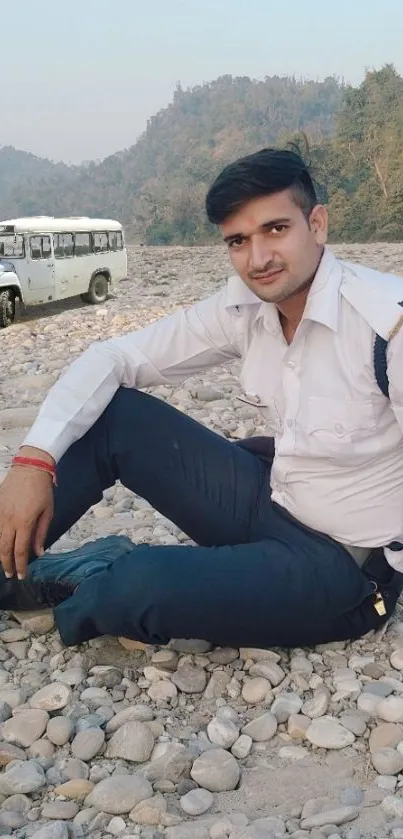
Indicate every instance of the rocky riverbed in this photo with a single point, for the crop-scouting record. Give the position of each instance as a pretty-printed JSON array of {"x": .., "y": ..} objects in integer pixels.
[{"x": 183, "y": 742}]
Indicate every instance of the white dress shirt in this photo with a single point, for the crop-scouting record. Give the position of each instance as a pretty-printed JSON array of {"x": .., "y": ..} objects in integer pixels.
[{"x": 338, "y": 466}]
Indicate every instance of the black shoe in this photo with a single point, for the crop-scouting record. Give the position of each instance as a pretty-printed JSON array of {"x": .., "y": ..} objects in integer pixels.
[{"x": 33, "y": 593}]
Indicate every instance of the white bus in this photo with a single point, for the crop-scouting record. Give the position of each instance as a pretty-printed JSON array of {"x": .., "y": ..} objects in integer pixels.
[{"x": 45, "y": 258}]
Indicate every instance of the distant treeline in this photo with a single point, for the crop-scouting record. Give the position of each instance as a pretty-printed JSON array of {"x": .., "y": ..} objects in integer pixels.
[{"x": 351, "y": 136}]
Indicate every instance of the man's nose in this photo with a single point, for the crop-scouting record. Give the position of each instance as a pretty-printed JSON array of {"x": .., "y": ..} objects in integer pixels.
[{"x": 260, "y": 255}]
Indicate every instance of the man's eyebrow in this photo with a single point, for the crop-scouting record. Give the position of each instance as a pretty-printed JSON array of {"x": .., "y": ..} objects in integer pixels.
[{"x": 267, "y": 225}]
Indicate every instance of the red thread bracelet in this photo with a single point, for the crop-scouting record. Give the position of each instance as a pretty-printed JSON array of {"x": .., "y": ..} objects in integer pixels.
[{"x": 43, "y": 465}]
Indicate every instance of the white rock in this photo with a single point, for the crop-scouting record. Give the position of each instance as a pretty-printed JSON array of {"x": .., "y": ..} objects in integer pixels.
[
  {"x": 222, "y": 732},
  {"x": 286, "y": 704},
  {"x": 116, "y": 826},
  {"x": 327, "y": 733},
  {"x": 318, "y": 705},
  {"x": 52, "y": 697},
  {"x": 387, "y": 761},
  {"x": 390, "y": 709},
  {"x": 216, "y": 770},
  {"x": 262, "y": 728},
  {"x": 242, "y": 747}
]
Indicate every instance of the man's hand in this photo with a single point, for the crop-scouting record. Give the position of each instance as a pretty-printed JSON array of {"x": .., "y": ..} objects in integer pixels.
[{"x": 26, "y": 510}]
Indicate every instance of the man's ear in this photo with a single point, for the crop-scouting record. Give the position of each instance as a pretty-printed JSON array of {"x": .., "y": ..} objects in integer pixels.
[{"x": 318, "y": 222}]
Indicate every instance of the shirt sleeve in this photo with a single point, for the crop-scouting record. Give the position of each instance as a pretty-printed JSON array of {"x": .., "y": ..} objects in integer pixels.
[{"x": 166, "y": 352}]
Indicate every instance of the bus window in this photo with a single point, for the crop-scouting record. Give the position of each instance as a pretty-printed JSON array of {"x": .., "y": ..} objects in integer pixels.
[
  {"x": 63, "y": 245},
  {"x": 82, "y": 244},
  {"x": 100, "y": 242},
  {"x": 40, "y": 247},
  {"x": 12, "y": 245},
  {"x": 115, "y": 240}
]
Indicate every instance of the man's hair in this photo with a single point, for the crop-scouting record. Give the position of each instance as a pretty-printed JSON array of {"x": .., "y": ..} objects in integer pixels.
[{"x": 263, "y": 173}]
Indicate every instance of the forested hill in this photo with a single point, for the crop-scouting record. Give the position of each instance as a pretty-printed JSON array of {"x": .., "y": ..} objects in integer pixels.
[{"x": 157, "y": 186}]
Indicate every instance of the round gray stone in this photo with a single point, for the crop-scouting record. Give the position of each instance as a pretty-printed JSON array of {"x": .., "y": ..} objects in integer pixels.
[
  {"x": 196, "y": 802},
  {"x": 216, "y": 770}
]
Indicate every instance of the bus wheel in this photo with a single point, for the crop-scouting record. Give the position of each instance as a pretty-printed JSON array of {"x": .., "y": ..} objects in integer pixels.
[
  {"x": 7, "y": 307},
  {"x": 98, "y": 290}
]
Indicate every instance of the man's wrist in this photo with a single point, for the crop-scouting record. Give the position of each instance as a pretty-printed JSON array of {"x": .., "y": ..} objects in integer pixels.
[{"x": 40, "y": 454}]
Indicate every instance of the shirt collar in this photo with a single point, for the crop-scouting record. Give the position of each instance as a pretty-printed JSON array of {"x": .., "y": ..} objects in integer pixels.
[{"x": 322, "y": 303}]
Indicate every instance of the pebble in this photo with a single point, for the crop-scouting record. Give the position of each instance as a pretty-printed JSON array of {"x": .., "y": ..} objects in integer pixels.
[
  {"x": 216, "y": 770},
  {"x": 60, "y": 810},
  {"x": 25, "y": 728},
  {"x": 87, "y": 744},
  {"x": 132, "y": 741},
  {"x": 196, "y": 802},
  {"x": 387, "y": 761},
  {"x": 384, "y": 735},
  {"x": 189, "y": 679},
  {"x": 340, "y": 815},
  {"x": 262, "y": 728},
  {"x": 152, "y": 811},
  {"x": 222, "y": 732},
  {"x": 77, "y": 789},
  {"x": 53, "y": 830},
  {"x": 22, "y": 777},
  {"x": 327, "y": 733},
  {"x": 255, "y": 690},
  {"x": 242, "y": 747},
  {"x": 52, "y": 697},
  {"x": 59, "y": 730},
  {"x": 390, "y": 709},
  {"x": 286, "y": 704},
  {"x": 116, "y": 826},
  {"x": 119, "y": 794}
]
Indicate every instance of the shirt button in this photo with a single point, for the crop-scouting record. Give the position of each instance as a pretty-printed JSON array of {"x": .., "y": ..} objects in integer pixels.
[
  {"x": 339, "y": 428},
  {"x": 291, "y": 364},
  {"x": 290, "y": 423}
]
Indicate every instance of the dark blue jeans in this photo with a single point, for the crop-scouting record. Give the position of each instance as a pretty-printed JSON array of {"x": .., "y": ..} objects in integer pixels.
[{"x": 256, "y": 577}]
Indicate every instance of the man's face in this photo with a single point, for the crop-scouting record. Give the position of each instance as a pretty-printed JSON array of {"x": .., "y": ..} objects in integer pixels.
[{"x": 273, "y": 247}]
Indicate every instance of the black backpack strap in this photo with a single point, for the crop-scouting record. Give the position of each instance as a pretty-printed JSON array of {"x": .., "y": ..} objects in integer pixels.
[{"x": 380, "y": 362}]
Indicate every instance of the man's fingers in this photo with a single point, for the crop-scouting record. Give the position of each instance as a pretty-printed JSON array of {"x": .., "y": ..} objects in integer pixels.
[
  {"x": 22, "y": 548},
  {"x": 41, "y": 530},
  {"x": 7, "y": 550}
]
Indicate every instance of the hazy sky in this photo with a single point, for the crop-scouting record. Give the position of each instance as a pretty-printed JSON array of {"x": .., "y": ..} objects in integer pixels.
[{"x": 80, "y": 78}]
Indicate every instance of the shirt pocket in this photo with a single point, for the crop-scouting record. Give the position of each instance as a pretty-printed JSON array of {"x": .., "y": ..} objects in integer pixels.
[{"x": 342, "y": 430}]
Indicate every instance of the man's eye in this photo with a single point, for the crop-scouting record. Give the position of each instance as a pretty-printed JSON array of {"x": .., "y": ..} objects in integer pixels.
[
  {"x": 236, "y": 243},
  {"x": 278, "y": 228}
]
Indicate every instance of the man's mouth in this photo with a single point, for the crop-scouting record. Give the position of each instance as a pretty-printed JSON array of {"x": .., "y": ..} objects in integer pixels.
[{"x": 269, "y": 277}]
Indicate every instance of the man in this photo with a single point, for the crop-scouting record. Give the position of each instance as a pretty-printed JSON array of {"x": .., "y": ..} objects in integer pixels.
[{"x": 293, "y": 550}]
